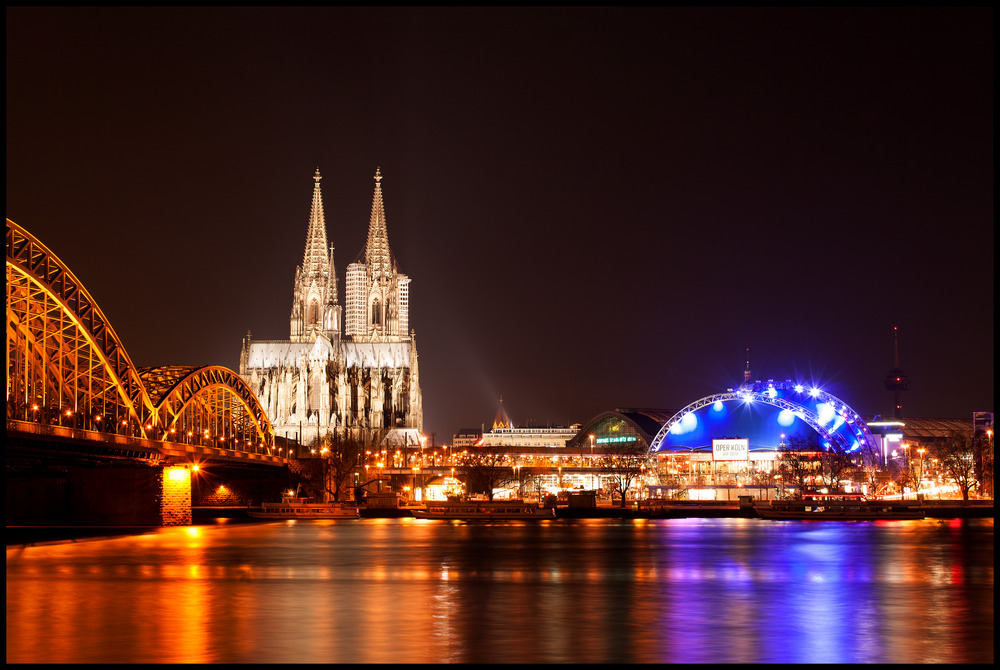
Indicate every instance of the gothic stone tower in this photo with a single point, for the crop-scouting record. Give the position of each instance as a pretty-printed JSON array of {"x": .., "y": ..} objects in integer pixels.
[
  {"x": 363, "y": 382},
  {"x": 378, "y": 303},
  {"x": 315, "y": 309}
]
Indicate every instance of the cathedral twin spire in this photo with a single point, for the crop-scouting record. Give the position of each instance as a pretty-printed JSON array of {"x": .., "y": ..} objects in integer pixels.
[
  {"x": 315, "y": 262},
  {"x": 314, "y": 305},
  {"x": 377, "y": 299},
  {"x": 378, "y": 257},
  {"x": 334, "y": 375}
]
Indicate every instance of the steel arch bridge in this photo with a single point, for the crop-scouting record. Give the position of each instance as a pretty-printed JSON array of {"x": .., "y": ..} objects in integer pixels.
[
  {"x": 839, "y": 426},
  {"x": 66, "y": 365}
]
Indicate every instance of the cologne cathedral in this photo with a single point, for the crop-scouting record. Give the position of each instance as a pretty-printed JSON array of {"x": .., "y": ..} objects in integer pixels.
[{"x": 351, "y": 372}]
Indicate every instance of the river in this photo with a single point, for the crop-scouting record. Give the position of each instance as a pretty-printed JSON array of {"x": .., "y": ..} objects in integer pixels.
[{"x": 562, "y": 591}]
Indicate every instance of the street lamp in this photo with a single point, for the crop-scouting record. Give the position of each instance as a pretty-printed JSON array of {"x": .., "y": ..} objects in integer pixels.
[
  {"x": 592, "y": 485},
  {"x": 921, "y": 451},
  {"x": 982, "y": 463}
]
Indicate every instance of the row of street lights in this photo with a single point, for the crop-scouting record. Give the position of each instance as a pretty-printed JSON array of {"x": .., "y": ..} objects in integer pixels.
[{"x": 97, "y": 423}]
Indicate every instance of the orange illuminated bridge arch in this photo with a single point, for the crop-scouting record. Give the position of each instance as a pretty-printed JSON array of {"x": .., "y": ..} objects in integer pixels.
[{"x": 66, "y": 365}]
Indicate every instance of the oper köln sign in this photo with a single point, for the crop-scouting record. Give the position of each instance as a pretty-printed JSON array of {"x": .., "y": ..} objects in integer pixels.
[{"x": 731, "y": 450}]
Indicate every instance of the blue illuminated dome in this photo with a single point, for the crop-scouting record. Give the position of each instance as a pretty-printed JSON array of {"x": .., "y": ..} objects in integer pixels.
[{"x": 767, "y": 414}]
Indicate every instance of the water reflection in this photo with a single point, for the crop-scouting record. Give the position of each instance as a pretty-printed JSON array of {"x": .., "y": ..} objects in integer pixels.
[{"x": 403, "y": 590}]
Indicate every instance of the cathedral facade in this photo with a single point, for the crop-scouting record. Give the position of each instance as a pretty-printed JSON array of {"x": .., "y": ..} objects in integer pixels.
[{"x": 348, "y": 372}]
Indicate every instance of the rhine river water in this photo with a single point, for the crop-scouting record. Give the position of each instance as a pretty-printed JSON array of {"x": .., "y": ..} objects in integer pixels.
[{"x": 561, "y": 591}]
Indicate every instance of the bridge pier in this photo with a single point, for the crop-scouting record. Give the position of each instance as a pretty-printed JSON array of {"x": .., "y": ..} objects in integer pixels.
[
  {"x": 59, "y": 477},
  {"x": 175, "y": 495}
]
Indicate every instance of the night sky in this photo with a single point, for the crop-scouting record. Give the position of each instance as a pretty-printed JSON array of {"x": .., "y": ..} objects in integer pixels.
[{"x": 597, "y": 208}]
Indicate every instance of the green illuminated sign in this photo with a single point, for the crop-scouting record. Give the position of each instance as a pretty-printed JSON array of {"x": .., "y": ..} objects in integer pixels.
[{"x": 619, "y": 438}]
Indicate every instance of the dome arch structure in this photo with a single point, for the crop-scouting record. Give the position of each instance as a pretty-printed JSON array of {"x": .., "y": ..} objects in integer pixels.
[
  {"x": 621, "y": 424},
  {"x": 793, "y": 407}
]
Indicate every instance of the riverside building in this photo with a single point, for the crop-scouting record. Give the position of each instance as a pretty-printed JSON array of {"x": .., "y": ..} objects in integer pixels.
[{"x": 504, "y": 434}]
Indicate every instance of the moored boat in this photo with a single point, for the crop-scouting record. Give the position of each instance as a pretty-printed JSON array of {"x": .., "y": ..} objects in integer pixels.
[
  {"x": 833, "y": 510},
  {"x": 293, "y": 507},
  {"x": 482, "y": 510}
]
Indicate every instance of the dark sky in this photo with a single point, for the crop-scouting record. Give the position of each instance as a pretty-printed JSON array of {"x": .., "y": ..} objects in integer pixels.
[{"x": 597, "y": 208}]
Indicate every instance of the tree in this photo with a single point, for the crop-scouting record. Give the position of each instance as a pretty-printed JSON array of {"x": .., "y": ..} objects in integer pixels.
[
  {"x": 870, "y": 472},
  {"x": 834, "y": 466},
  {"x": 487, "y": 469},
  {"x": 343, "y": 455},
  {"x": 761, "y": 479},
  {"x": 623, "y": 463},
  {"x": 798, "y": 460},
  {"x": 914, "y": 475},
  {"x": 957, "y": 455},
  {"x": 984, "y": 459},
  {"x": 532, "y": 479}
]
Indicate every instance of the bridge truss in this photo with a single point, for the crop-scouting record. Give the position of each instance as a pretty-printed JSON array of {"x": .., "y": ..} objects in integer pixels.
[{"x": 66, "y": 366}]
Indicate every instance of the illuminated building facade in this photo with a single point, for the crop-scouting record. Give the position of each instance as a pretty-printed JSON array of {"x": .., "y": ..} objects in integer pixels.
[
  {"x": 505, "y": 435},
  {"x": 517, "y": 438},
  {"x": 466, "y": 438},
  {"x": 352, "y": 372}
]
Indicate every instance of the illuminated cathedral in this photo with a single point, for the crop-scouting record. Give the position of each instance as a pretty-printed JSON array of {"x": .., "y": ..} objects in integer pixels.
[{"x": 351, "y": 372}]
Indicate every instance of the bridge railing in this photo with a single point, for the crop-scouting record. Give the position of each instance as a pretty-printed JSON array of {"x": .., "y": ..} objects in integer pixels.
[
  {"x": 50, "y": 430},
  {"x": 160, "y": 448}
]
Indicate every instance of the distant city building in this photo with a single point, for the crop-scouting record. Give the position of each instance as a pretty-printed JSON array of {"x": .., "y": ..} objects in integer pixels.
[
  {"x": 516, "y": 438},
  {"x": 621, "y": 426},
  {"x": 982, "y": 423},
  {"x": 354, "y": 374},
  {"x": 504, "y": 434},
  {"x": 466, "y": 438}
]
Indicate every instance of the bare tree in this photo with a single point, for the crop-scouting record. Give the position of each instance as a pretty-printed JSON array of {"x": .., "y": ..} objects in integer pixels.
[
  {"x": 914, "y": 471},
  {"x": 834, "y": 466},
  {"x": 622, "y": 464},
  {"x": 900, "y": 475},
  {"x": 984, "y": 460},
  {"x": 869, "y": 471},
  {"x": 343, "y": 455},
  {"x": 957, "y": 455},
  {"x": 761, "y": 479},
  {"x": 532, "y": 479},
  {"x": 487, "y": 469},
  {"x": 798, "y": 460}
]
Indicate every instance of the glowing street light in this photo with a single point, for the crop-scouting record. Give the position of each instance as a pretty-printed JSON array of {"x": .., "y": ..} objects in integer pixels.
[
  {"x": 921, "y": 451},
  {"x": 593, "y": 486}
]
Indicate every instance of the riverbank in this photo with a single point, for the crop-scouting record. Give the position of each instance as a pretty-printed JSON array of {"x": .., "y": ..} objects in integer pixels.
[
  {"x": 29, "y": 535},
  {"x": 933, "y": 509}
]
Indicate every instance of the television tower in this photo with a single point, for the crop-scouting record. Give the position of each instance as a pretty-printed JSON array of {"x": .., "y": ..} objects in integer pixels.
[
  {"x": 746, "y": 373},
  {"x": 896, "y": 381}
]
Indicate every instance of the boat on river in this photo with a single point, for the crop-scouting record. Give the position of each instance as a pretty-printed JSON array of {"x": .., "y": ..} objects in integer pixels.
[
  {"x": 306, "y": 509},
  {"x": 842, "y": 510},
  {"x": 483, "y": 510}
]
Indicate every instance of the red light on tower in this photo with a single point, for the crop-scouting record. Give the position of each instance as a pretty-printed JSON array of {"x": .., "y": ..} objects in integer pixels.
[{"x": 896, "y": 381}]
